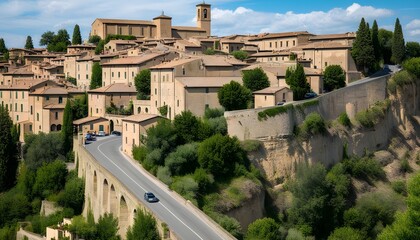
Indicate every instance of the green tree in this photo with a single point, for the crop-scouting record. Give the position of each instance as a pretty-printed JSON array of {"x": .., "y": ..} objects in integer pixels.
[
  {"x": 8, "y": 151},
  {"x": 82, "y": 228},
  {"x": 94, "y": 39},
  {"x": 35, "y": 153},
  {"x": 73, "y": 195},
  {"x": 80, "y": 106},
  {"x": 55, "y": 42},
  {"x": 144, "y": 227},
  {"x": 407, "y": 224},
  {"x": 240, "y": 55},
  {"x": 47, "y": 38},
  {"x": 142, "y": 83},
  {"x": 412, "y": 65},
  {"x": 334, "y": 77},
  {"x": 413, "y": 49},
  {"x": 50, "y": 178},
  {"x": 67, "y": 130},
  {"x": 375, "y": 41},
  {"x": 261, "y": 229},
  {"x": 385, "y": 41},
  {"x": 100, "y": 47},
  {"x": 107, "y": 228},
  {"x": 14, "y": 206},
  {"x": 96, "y": 80},
  {"x": 398, "y": 44},
  {"x": 346, "y": 233},
  {"x": 3, "y": 48},
  {"x": 29, "y": 44},
  {"x": 219, "y": 154},
  {"x": 77, "y": 37},
  {"x": 187, "y": 126},
  {"x": 255, "y": 79},
  {"x": 187, "y": 187},
  {"x": 183, "y": 160},
  {"x": 362, "y": 51},
  {"x": 233, "y": 96},
  {"x": 296, "y": 79}
]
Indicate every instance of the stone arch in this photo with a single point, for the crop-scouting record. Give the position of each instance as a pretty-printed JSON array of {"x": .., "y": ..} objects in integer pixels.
[
  {"x": 124, "y": 215},
  {"x": 105, "y": 196},
  {"x": 113, "y": 201},
  {"x": 95, "y": 185},
  {"x": 59, "y": 127},
  {"x": 53, "y": 128},
  {"x": 146, "y": 110},
  {"x": 111, "y": 126},
  {"x": 138, "y": 110}
]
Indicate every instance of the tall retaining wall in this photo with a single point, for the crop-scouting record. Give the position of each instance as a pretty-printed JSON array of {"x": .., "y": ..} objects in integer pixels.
[{"x": 358, "y": 96}]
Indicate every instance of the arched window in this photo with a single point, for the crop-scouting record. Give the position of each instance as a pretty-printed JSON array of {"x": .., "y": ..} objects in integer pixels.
[
  {"x": 138, "y": 110},
  {"x": 205, "y": 13},
  {"x": 198, "y": 13}
]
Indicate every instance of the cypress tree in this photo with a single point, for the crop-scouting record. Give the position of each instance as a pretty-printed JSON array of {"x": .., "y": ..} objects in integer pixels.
[
  {"x": 296, "y": 79},
  {"x": 3, "y": 48},
  {"x": 67, "y": 130},
  {"x": 29, "y": 44},
  {"x": 8, "y": 151},
  {"x": 96, "y": 80},
  {"x": 362, "y": 51},
  {"x": 77, "y": 37},
  {"x": 375, "y": 41},
  {"x": 398, "y": 44}
]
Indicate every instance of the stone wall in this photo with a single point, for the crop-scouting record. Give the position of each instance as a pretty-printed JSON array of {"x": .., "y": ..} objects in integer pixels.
[{"x": 358, "y": 96}]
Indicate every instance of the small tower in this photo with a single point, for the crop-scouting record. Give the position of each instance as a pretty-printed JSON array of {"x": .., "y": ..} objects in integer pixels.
[
  {"x": 163, "y": 26},
  {"x": 204, "y": 17}
]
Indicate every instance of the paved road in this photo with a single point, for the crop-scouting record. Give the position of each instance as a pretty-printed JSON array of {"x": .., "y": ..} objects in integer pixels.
[{"x": 179, "y": 218}]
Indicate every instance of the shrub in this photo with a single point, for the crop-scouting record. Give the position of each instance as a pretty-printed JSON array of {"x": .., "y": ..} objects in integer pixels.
[
  {"x": 204, "y": 180},
  {"x": 209, "y": 51},
  {"x": 213, "y": 113},
  {"x": 183, "y": 160},
  {"x": 251, "y": 145},
  {"x": 369, "y": 117},
  {"x": 399, "y": 187},
  {"x": 164, "y": 175},
  {"x": 272, "y": 112},
  {"x": 347, "y": 233},
  {"x": 240, "y": 55},
  {"x": 405, "y": 166},
  {"x": 313, "y": 124},
  {"x": 364, "y": 168},
  {"x": 265, "y": 228},
  {"x": 344, "y": 119},
  {"x": 228, "y": 223},
  {"x": 139, "y": 153},
  {"x": 187, "y": 187}
]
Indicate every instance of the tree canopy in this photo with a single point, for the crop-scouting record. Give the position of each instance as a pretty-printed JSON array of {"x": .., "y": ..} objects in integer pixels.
[
  {"x": 334, "y": 77},
  {"x": 3, "y": 48},
  {"x": 398, "y": 44},
  {"x": 29, "y": 44},
  {"x": 255, "y": 79},
  {"x": 8, "y": 151},
  {"x": 375, "y": 41},
  {"x": 263, "y": 229},
  {"x": 233, "y": 96},
  {"x": 187, "y": 126},
  {"x": 412, "y": 49},
  {"x": 94, "y": 39},
  {"x": 96, "y": 80},
  {"x": 240, "y": 55},
  {"x": 385, "y": 42},
  {"x": 67, "y": 129},
  {"x": 362, "y": 51},
  {"x": 142, "y": 83},
  {"x": 77, "y": 37},
  {"x": 55, "y": 42},
  {"x": 144, "y": 227},
  {"x": 296, "y": 79}
]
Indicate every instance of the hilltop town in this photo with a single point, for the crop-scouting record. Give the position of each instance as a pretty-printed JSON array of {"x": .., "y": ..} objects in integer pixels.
[{"x": 276, "y": 100}]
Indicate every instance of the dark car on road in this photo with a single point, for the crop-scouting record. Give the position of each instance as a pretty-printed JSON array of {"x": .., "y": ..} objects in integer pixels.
[
  {"x": 150, "y": 197},
  {"x": 310, "y": 95},
  {"x": 116, "y": 133},
  {"x": 90, "y": 137}
]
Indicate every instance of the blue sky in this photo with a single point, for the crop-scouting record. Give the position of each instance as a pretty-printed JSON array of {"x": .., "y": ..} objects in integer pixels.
[{"x": 20, "y": 18}]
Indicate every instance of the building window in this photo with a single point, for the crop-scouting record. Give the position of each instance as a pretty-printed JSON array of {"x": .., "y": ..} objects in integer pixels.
[
  {"x": 294, "y": 42},
  {"x": 183, "y": 71},
  {"x": 23, "y": 95},
  {"x": 125, "y": 140},
  {"x": 87, "y": 76},
  {"x": 281, "y": 43},
  {"x": 207, "y": 90},
  {"x": 206, "y": 106},
  {"x": 30, "y": 128},
  {"x": 97, "y": 111},
  {"x": 126, "y": 127},
  {"x": 60, "y": 99},
  {"x": 1, "y": 93},
  {"x": 56, "y": 115},
  {"x": 125, "y": 75},
  {"x": 37, "y": 117},
  {"x": 287, "y": 43},
  {"x": 275, "y": 43},
  {"x": 78, "y": 76},
  {"x": 205, "y": 13},
  {"x": 47, "y": 98},
  {"x": 155, "y": 91},
  {"x": 31, "y": 110},
  {"x": 177, "y": 103},
  {"x": 118, "y": 74},
  {"x": 265, "y": 98},
  {"x": 16, "y": 109},
  {"x": 134, "y": 142},
  {"x": 326, "y": 64},
  {"x": 155, "y": 103},
  {"x": 16, "y": 94},
  {"x": 270, "y": 44},
  {"x": 134, "y": 128},
  {"x": 91, "y": 126},
  {"x": 163, "y": 79},
  {"x": 112, "y": 74},
  {"x": 21, "y": 107}
]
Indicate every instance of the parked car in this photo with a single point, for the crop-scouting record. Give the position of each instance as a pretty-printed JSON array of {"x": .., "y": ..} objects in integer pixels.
[
  {"x": 101, "y": 134},
  {"x": 90, "y": 137},
  {"x": 310, "y": 95},
  {"x": 150, "y": 197},
  {"x": 116, "y": 133}
]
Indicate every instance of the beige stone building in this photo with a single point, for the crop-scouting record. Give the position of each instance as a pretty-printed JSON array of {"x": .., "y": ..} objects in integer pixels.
[
  {"x": 159, "y": 28},
  {"x": 271, "y": 56},
  {"x": 92, "y": 125},
  {"x": 272, "y": 96},
  {"x": 14, "y": 74},
  {"x": 118, "y": 95},
  {"x": 188, "y": 47},
  {"x": 280, "y": 41},
  {"x": 123, "y": 70},
  {"x": 134, "y": 129},
  {"x": 191, "y": 83},
  {"x": 119, "y": 45},
  {"x": 36, "y": 105}
]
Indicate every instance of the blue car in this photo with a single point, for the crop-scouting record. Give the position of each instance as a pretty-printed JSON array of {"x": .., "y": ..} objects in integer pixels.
[
  {"x": 90, "y": 137},
  {"x": 310, "y": 95},
  {"x": 150, "y": 197}
]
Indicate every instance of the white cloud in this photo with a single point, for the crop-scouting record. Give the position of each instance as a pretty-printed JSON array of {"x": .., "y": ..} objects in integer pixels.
[
  {"x": 247, "y": 21},
  {"x": 413, "y": 28}
]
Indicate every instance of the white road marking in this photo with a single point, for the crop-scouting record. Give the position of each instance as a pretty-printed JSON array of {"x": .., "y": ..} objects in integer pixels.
[{"x": 144, "y": 189}]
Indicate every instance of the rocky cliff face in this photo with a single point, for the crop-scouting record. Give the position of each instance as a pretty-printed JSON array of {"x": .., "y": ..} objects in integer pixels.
[{"x": 278, "y": 158}]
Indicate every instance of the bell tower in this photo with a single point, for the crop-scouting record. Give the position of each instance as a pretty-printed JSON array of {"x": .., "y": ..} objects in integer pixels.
[{"x": 204, "y": 17}]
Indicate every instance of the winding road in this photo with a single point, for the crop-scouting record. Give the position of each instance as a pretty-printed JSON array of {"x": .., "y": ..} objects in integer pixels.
[{"x": 180, "y": 218}]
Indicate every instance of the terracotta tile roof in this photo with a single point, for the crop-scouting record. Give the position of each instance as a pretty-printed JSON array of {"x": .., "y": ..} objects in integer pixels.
[
  {"x": 88, "y": 119},
  {"x": 115, "y": 88},
  {"x": 270, "y": 90},
  {"x": 279, "y": 69},
  {"x": 325, "y": 45},
  {"x": 221, "y": 61},
  {"x": 279, "y": 35},
  {"x": 121, "y": 42},
  {"x": 53, "y": 90},
  {"x": 42, "y": 56},
  {"x": 81, "y": 46},
  {"x": 270, "y": 54},
  {"x": 191, "y": 29},
  {"x": 19, "y": 71},
  {"x": 172, "y": 64},
  {"x": 134, "y": 60},
  {"x": 187, "y": 43},
  {"x": 199, "y": 82},
  {"x": 162, "y": 16},
  {"x": 22, "y": 84},
  {"x": 55, "y": 106},
  {"x": 124, "y": 21},
  {"x": 138, "y": 118}
]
